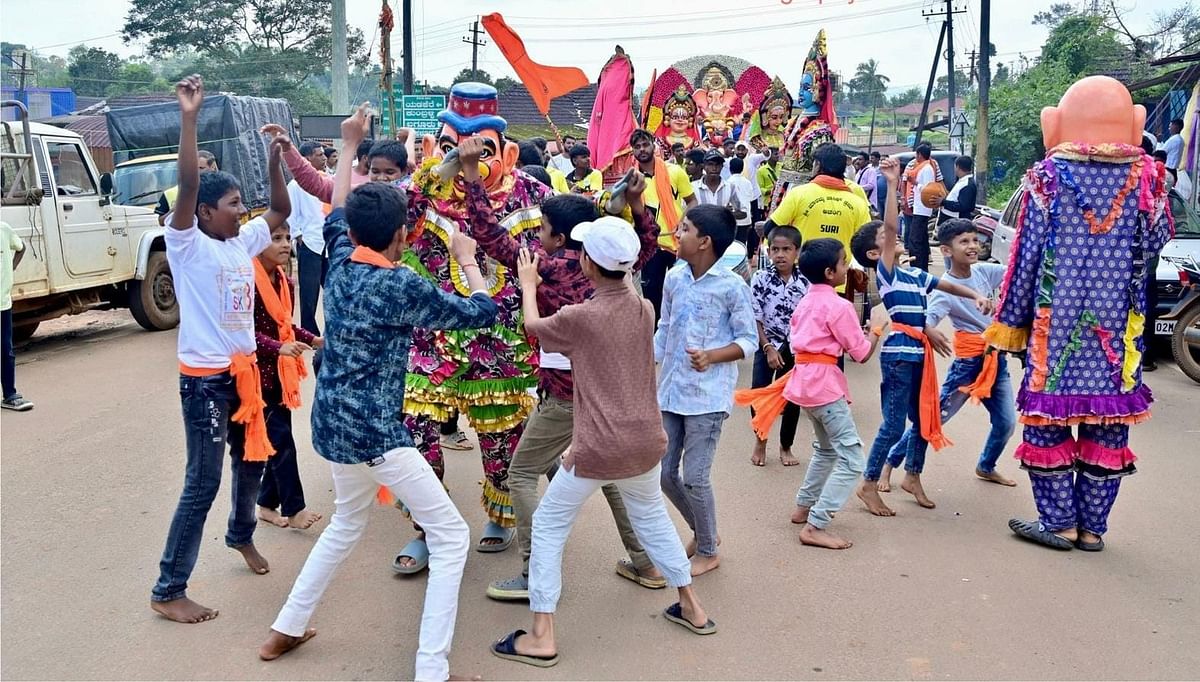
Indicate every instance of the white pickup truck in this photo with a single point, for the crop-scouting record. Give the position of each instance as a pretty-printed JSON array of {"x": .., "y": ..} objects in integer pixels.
[{"x": 82, "y": 251}]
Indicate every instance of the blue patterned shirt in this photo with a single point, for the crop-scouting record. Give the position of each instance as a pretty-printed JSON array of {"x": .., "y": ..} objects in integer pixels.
[
  {"x": 370, "y": 313},
  {"x": 905, "y": 294},
  {"x": 707, "y": 313}
]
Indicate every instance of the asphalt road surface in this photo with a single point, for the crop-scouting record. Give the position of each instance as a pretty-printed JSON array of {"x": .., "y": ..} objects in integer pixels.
[{"x": 91, "y": 477}]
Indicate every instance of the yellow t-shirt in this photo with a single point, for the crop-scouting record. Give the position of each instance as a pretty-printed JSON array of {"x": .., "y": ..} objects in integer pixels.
[
  {"x": 558, "y": 181},
  {"x": 819, "y": 212},
  {"x": 594, "y": 182},
  {"x": 681, "y": 188}
]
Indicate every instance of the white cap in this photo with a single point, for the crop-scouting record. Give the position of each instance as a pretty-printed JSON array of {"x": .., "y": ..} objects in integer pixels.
[{"x": 610, "y": 242}]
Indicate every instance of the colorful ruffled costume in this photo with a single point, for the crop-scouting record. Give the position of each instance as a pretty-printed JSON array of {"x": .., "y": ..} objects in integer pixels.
[{"x": 1074, "y": 297}]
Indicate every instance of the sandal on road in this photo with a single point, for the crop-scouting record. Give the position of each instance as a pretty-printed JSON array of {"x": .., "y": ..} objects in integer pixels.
[
  {"x": 1034, "y": 532},
  {"x": 627, "y": 570},
  {"x": 1097, "y": 546},
  {"x": 506, "y": 648},
  {"x": 494, "y": 532},
  {"x": 457, "y": 441},
  {"x": 418, "y": 551},
  {"x": 674, "y": 613}
]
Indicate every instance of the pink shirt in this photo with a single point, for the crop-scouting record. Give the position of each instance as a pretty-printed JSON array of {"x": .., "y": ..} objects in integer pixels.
[
  {"x": 824, "y": 322},
  {"x": 313, "y": 181}
]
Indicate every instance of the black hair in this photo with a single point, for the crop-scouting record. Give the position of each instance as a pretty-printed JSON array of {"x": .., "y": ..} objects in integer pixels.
[
  {"x": 924, "y": 149},
  {"x": 715, "y": 222},
  {"x": 364, "y": 149},
  {"x": 786, "y": 231},
  {"x": 965, "y": 162},
  {"x": 1160, "y": 154},
  {"x": 580, "y": 150},
  {"x": 817, "y": 256},
  {"x": 208, "y": 156},
  {"x": 213, "y": 186},
  {"x": 375, "y": 211},
  {"x": 831, "y": 159},
  {"x": 391, "y": 150},
  {"x": 564, "y": 212},
  {"x": 538, "y": 172},
  {"x": 529, "y": 154},
  {"x": 330, "y": 150},
  {"x": 606, "y": 273},
  {"x": 876, "y": 155},
  {"x": 864, "y": 241},
  {"x": 696, "y": 156},
  {"x": 774, "y": 151},
  {"x": 1147, "y": 144},
  {"x": 643, "y": 134},
  {"x": 678, "y": 146},
  {"x": 862, "y": 155},
  {"x": 952, "y": 229},
  {"x": 569, "y": 137},
  {"x": 729, "y": 140},
  {"x": 307, "y": 148},
  {"x": 1177, "y": 122},
  {"x": 736, "y": 165},
  {"x": 540, "y": 142}
]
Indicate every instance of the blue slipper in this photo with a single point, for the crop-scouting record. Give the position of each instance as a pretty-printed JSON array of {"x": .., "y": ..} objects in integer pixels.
[
  {"x": 506, "y": 648},
  {"x": 416, "y": 550},
  {"x": 674, "y": 613},
  {"x": 1034, "y": 532},
  {"x": 494, "y": 532}
]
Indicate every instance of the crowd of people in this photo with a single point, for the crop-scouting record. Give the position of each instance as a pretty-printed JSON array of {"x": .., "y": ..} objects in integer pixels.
[{"x": 573, "y": 328}]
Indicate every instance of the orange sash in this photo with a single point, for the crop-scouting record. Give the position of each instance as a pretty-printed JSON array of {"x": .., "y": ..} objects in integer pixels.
[
  {"x": 362, "y": 254},
  {"x": 244, "y": 369},
  {"x": 930, "y": 407},
  {"x": 768, "y": 402},
  {"x": 279, "y": 307},
  {"x": 970, "y": 345},
  {"x": 666, "y": 198}
]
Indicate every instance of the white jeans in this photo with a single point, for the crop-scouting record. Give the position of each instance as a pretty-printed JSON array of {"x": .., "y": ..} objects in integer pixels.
[
  {"x": 560, "y": 506},
  {"x": 410, "y": 478}
]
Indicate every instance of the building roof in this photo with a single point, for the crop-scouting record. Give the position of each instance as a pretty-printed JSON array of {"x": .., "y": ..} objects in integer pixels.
[
  {"x": 573, "y": 108},
  {"x": 92, "y": 128},
  {"x": 943, "y": 104}
]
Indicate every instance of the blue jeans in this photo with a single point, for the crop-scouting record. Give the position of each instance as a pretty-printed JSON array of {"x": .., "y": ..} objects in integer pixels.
[
  {"x": 207, "y": 404},
  {"x": 1001, "y": 408},
  {"x": 691, "y": 446},
  {"x": 900, "y": 401},
  {"x": 8, "y": 359},
  {"x": 837, "y": 462}
]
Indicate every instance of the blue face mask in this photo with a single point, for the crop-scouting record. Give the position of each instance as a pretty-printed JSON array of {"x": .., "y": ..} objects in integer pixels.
[{"x": 806, "y": 99}]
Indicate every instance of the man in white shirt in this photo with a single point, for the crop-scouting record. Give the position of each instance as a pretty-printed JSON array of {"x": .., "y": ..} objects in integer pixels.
[
  {"x": 306, "y": 223},
  {"x": 562, "y": 160},
  {"x": 1174, "y": 145},
  {"x": 713, "y": 189},
  {"x": 917, "y": 236},
  {"x": 748, "y": 194}
]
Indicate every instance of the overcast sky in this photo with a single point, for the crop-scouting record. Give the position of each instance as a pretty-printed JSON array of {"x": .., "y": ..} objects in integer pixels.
[{"x": 769, "y": 33}]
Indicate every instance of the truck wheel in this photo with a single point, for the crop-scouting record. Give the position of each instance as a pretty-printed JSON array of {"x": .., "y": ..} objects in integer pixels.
[
  {"x": 23, "y": 332},
  {"x": 152, "y": 300},
  {"x": 1187, "y": 353}
]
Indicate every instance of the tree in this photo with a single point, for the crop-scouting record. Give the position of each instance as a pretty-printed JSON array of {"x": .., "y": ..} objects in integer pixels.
[
  {"x": 93, "y": 70},
  {"x": 479, "y": 76},
  {"x": 136, "y": 77},
  {"x": 962, "y": 85},
  {"x": 1054, "y": 16},
  {"x": 48, "y": 72},
  {"x": 909, "y": 96},
  {"x": 867, "y": 82},
  {"x": 1086, "y": 46},
  {"x": 504, "y": 83}
]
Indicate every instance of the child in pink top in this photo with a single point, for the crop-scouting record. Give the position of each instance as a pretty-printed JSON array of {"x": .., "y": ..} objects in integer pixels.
[{"x": 824, "y": 326}]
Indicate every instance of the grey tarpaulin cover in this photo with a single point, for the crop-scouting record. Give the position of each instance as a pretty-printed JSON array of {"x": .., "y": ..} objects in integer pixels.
[{"x": 228, "y": 127}]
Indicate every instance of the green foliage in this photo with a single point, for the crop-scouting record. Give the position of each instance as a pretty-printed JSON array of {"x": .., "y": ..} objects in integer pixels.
[
  {"x": 1015, "y": 134},
  {"x": 1085, "y": 46},
  {"x": 479, "y": 76},
  {"x": 867, "y": 84},
  {"x": 93, "y": 70},
  {"x": 909, "y": 96},
  {"x": 503, "y": 83}
]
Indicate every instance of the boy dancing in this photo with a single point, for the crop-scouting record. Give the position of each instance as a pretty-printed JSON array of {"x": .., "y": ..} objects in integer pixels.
[
  {"x": 371, "y": 308},
  {"x": 211, "y": 254}
]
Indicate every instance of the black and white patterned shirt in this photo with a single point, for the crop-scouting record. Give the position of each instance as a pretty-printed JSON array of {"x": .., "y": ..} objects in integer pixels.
[{"x": 774, "y": 301}]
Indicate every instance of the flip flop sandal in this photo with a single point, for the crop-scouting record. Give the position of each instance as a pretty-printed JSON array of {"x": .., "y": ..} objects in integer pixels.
[
  {"x": 1097, "y": 546},
  {"x": 457, "y": 441},
  {"x": 493, "y": 532},
  {"x": 674, "y": 613},
  {"x": 627, "y": 570},
  {"x": 506, "y": 648},
  {"x": 1034, "y": 532},
  {"x": 418, "y": 551}
]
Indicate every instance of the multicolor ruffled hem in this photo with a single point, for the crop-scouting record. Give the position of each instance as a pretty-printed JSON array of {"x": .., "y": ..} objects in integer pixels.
[
  {"x": 1006, "y": 338},
  {"x": 1060, "y": 409},
  {"x": 498, "y": 505},
  {"x": 1111, "y": 459},
  {"x": 1055, "y": 457}
]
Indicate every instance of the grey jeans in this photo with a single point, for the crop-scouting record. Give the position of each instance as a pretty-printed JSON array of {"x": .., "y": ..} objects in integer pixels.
[
  {"x": 836, "y": 464},
  {"x": 547, "y": 435},
  {"x": 691, "y": 446}
]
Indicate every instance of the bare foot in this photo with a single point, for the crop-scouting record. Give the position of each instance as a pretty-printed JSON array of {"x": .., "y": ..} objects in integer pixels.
[
  {"x": 256, "y": 562},
  {"x": 786, "y": 458},
  {"x": 759, "y": 457},
  {"x": 272, "y": 517},
  {"x": 703, "y": 564},
  {"x": 278, "y": 644},
  {"x": 183, "y": 610},
  {"x": 800, "y": 514},
  {"x": 816, "y": 537},
  {"x": 912, "y": 485},
  {"x": 1084, "y": 536},
  {"x": 692, "y": 545},
  {"x": 303, "y": 519},
  {"x": 693, "y": 615},
  {"x": 995, "y": 477},
  {"x": 885, "y": 480},
  {"x": 868, "y": 492},
  {"x": 407, "y": 561}
]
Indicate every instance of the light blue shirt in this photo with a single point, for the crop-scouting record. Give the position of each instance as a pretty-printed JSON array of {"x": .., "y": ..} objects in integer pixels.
[
  {"x": 985, "y": 279},
  {"x": 1174, "y": 149},
  {"x": 707, "y": 313}
]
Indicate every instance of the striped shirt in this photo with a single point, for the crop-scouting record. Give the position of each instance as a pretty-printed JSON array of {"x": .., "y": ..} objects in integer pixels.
[{"x": 905, "y": 294}]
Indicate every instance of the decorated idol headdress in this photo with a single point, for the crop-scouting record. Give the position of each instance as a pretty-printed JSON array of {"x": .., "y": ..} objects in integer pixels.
[
  {"x": 776, "y": 97},
  {"x": 680, "y": 99},
  {"x": 817, "y": 66}
]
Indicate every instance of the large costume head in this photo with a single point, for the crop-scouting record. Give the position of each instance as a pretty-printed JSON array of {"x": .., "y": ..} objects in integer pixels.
[
  {"x": 472, "y": 112},
  {"x": 772, "y": 115},
  {"x": 681, "y": 113},
  {"x": 1095, "y": 110},
  {"x": 816, "y": 89}
]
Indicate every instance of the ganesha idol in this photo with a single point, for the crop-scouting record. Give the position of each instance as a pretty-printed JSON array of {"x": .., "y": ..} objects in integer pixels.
[
  {"x": 708, "y": 98},
  {"x": 484, "y": 374}
]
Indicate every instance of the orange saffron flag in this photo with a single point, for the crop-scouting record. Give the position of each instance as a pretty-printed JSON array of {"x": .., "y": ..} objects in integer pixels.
[{"x": 544, "y": 82}]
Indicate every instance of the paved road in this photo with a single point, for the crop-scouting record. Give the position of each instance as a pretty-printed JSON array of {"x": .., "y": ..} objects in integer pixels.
[{"x": 91, "y": 476}]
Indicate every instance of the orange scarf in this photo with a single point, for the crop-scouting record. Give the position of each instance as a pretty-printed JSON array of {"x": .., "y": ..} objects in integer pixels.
[
  {"x": 279, "y": 307},
  {"x": 666, "y": 198},
  {"x": 244, "y": 370},
  {"x": 970, "y": 345},
  {"x": 829, "y": 182},
  {"x": 768, "y": 402},
  {"x": 930, "y": 408},
  {"x": 362, "y": 254}
]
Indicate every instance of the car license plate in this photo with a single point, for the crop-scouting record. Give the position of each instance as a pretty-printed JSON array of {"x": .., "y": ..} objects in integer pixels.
[{"x": 1164, "y": 327}]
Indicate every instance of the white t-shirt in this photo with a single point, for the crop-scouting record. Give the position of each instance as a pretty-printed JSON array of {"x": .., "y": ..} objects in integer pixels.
[
  {"x": 1174, "y": 148},
  {"x": 745, "y": 191},
  {"x": 214, "y": 283},
  {"x": 924, "y": 177},
  {"x": 307, "y": 220}
]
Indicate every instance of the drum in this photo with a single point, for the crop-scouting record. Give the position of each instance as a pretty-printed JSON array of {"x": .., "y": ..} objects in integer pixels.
[{"x": 735, "y": 259}]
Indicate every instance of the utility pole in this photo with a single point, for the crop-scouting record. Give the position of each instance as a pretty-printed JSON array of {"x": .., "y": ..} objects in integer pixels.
[
  {"x": 948, "y": 34},
  {"x": 929, "y": 87},
  {"x": 341, "y": 62},
  {"x": 475, "y": 42},
  {"x": 871, "y": 135},
  {"x": 408, "y": 47},
  {"x": 385, "y": 56},
  {"x": 985, "y": 83}
]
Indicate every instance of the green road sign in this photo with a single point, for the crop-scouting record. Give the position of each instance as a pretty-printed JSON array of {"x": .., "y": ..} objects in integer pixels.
[{"x": 418, "y": 112}]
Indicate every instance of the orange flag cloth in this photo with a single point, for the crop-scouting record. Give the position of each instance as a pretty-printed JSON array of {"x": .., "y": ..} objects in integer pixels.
[
  {"x": 544, "y": 82},
  {"x": 968, "y": 345},
  {"x": 930, "y": 407},
  {"x": 244, "y": 369},
  {"x": 279, "y": 307}
]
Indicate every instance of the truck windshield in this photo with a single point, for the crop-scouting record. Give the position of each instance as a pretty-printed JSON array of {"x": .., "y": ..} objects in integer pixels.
[{"x": 141, "y": 185}]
